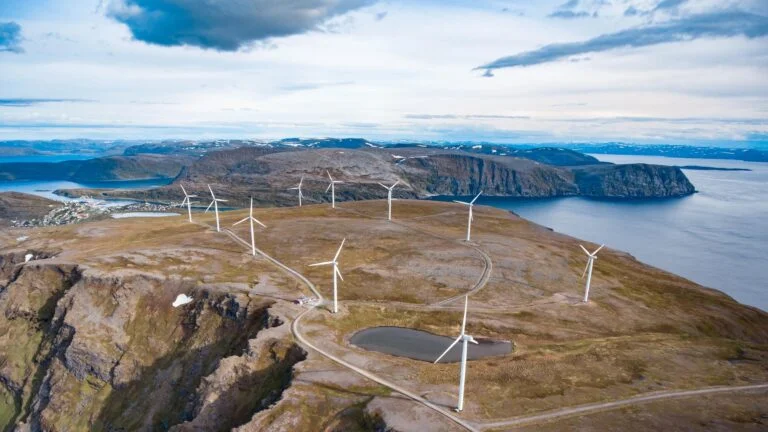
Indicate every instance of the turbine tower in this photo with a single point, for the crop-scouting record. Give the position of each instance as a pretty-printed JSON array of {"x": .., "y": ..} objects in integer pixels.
[
  {"x": 389, "y": 198},
  {"x": 471, "y": 204},
  {"x": 187, "y": 201},
  {"x": 298, "y": 188},
  {"x": 332, "y": 188},
  {"x": 465, "y": 339},
  {"x": 588, "y": 269},
  {"x": 251, "y": 219},
  {"x": 215, "y": 204},
  {"x": 336, "y": 272}
]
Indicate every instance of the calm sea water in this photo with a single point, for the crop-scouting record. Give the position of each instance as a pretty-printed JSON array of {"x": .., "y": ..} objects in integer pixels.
[
  {"x": 717, "y": 237},
  {"x": 46, "y": 188}
]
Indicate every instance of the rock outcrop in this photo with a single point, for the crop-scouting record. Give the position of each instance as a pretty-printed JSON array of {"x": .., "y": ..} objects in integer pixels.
[
  {"x": 86, "y": 350},
  {"x": 632, "y": 181}
]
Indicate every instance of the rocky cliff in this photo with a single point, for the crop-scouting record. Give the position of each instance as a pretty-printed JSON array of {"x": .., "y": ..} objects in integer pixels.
[
  {"x": 267, "y": 174},
  {"x": 632, "y": 181},
  {"x": 85, "y": 350}
]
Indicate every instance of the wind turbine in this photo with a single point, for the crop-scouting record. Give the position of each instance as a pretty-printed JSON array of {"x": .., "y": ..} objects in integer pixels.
[
  {"x": 252, "y": 220},
  {"x": 590, "y": 263},
  {"x": 471, "y": 204},
  {"x": 332, "y": 188},
  {"x": 465, "y": 339},
  {"x": 215, "y": 204},
  {"x": 389, "y": 198},
  {"x": 298, "y": 188},
  {"x": 187, "y": 201},
  {"x": 336, "y": 272}
]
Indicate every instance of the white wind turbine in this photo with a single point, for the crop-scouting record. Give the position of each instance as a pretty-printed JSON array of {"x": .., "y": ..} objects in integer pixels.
[
  {"x": 389, "y": 198},
  {"x": 588, "y": 269},
  {"x": 336, "y": 272},
  {"x": 471, "y": 204},
  {"x": 332, "y": 188},
  {"x": 465, "y": 339},
  {"x": 251, "y": 219},
  {"x": 187, "y": 201},
  {"x": 215, "y": 204},
  {"x": 298, "y": 188}
]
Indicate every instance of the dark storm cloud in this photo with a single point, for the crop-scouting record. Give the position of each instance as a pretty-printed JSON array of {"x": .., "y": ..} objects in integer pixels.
[
  {"x": 729, "y": 23},
  {"x": 10, "y": 38},
  {"x": 224, "y": 25}
]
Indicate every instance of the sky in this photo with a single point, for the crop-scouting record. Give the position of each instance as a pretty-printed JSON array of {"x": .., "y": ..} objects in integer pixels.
[{"x": 506, "y": 71}]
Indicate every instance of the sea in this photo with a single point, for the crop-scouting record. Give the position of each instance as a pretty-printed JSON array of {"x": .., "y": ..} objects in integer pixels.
[
  {"x": 46, "y": 188},
  {"x": 717, "y": 237}
]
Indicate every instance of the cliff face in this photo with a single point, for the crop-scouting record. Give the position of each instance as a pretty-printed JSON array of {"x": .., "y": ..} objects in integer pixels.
[
  {"x": 84, "y": 350},
  {"x": 461, "y": 175},
  {"x": 267, "y": 174},
  {"x": 632, "y": 181}
]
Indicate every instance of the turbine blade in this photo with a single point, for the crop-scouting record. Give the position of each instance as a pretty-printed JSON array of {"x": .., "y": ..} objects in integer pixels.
[
  {"x": 585, "y": 250},
  {"x": 329, "y": 187},
  {"x": 598, "y": 250},
  {"x": 221, "y": 200},
  {"x": 182, "y": 188},
  {"x": 472, "y": 340},
  {"x": 186, "y": 198},
  {"x": 293, "y": 188},
  {"x": 478, "y": 196},
  {"x": 385, "y": 187},
  {"x": 462, "y": 202},
  {"x": 396, "y": 183},
  {"x": 321, "y": 264},
  {"x": 259, "y": 222},
  {"x": 209, "y": 188},
  {"x": 209, "y": 207},
  {"x": 585, "y": 270},
  {"x": 449, "y": 348},
  {"x": 336, "y": 269},
  {"x": 238, "y": 223},
  {"x": 301, "y": 181},
  {"x": 329, "y": 175},
  {"x": 464, "y": 320},
  {"x": 338, "y": 252}
]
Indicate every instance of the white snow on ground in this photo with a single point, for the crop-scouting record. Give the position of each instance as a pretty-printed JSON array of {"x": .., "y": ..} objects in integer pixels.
[
  {"x": 181, "y": 300},
  {"x": 28, "y": 258}
]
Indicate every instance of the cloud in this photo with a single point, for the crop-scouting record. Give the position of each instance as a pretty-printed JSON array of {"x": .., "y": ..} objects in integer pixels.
[
  {"x": 10, "y": 38},
  {"x": 224, "y": 25},
  {"x": 729, "y": 23},
  {"x": 381, "y": 15},
  {"x": 314, "y": 85},
  {"x": 464, "y": 117},
  {"x": 567, "y": 14},
  {"x": 567, "y": 11},
  {"x": 25, "y": 102}
]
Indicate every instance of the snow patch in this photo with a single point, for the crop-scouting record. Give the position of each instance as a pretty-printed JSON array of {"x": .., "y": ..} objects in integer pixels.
[{"x": 181, "y": 300}]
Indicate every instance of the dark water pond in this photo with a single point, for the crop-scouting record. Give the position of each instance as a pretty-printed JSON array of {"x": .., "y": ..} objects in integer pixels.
[{"x": 421, "y": 345}]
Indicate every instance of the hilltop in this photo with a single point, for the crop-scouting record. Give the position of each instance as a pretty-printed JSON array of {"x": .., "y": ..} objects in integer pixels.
[{"x": 89, "y": 339}]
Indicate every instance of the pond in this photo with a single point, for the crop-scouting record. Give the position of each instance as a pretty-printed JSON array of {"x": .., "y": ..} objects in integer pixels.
[{"x": 425, "y": 346}]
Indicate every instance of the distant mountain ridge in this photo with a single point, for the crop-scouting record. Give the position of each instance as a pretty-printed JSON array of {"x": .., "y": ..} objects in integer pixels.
[{"x": 200, "y": 147}]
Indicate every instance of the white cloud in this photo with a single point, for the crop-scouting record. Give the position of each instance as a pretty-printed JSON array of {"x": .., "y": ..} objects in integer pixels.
[{"x": 367, "y": 79}]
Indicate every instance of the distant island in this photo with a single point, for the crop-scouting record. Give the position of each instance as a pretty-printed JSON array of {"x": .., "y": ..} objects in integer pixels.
[{"x": 708, "y": 168}]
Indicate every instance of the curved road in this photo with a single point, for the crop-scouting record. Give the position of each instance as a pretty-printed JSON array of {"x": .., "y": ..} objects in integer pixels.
[
  {"x": 304, "y": 341},
  {"x": 591, "y": 408}
]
